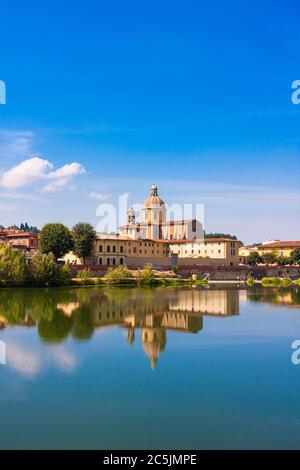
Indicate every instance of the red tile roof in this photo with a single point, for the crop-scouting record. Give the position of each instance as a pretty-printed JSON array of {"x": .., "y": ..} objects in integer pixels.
[
  {"x": 201, "y": 240},
  {"x": 291, "y": 244}
]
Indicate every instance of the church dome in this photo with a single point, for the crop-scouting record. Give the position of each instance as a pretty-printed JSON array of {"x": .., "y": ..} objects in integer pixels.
[{"x": 154, "y": 200}]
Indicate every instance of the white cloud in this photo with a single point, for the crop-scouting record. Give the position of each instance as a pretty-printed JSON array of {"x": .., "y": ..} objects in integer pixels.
[
  {"x": 62, "y": 176},
  {"x": 25, "y": 173},
  {"x": 99, "y": 196},
  {"x": 71, "y": 169},
  {"x": 36, "y": 169}
]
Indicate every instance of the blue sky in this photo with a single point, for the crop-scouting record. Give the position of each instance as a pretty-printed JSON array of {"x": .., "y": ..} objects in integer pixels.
[{"x": 194, "y": 96}]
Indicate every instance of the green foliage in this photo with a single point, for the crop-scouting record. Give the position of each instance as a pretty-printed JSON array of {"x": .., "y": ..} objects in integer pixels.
[
  {"x": 13, "y": 269},
  {"x": 145, "y": 276},
  {"x": 283, "y": 260},
  {"x": 271, "y": 281},
  {"x": 175, "y": 269},
  {"x": 65, "y": 275},
  {"x": 220, "y": 235},
  {"x": 295, "y": 256},
  {"x": 269, "y": 258},
  {"x": 55, "y": 238},
  {"x": 27, "y": 228},
  {"x": 201, "y": 282},
  {"x": 254, "y": 258},
  {"x": 118, "y": 275},
  {"x": 85, "y": 276},
  {"x": 44, "y": 270},
  {"x": 83, "y": 236},
  {"x": 286, "y": 281},
  {"x": 250, "y": 281}
]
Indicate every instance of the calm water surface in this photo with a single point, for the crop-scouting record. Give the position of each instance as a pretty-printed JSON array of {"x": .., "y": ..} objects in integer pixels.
[{"x": 149, "y": 368}]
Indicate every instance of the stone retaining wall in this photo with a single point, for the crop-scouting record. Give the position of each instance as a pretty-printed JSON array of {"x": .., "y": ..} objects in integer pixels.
[{"x": 221, "y": 273}]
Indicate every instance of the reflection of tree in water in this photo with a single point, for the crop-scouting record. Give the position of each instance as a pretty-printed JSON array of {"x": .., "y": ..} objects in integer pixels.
[
  {"x": 55, "y": 330},
  {"x": 46, "y": 307},
  {"x": 60, "y": 313},
  {"x": 83, "y": 323},
  {"x": 296, "y": 296},
  {"x": 276, "y": 296},
  {"x": 13, "y": 308}
]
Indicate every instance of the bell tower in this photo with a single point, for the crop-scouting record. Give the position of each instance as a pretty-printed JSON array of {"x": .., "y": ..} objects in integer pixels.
[{"x": 131, "y": 216}]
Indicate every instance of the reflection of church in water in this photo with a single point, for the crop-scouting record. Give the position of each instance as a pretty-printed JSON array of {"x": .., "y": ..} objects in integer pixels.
[
  {"x": 147, "y": 315},
  {"x": 155, "y": 313}
]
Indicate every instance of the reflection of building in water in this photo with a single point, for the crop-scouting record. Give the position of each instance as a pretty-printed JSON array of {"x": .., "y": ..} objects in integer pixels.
[
  {"x": 68, "y": 308},
  {"x": 287, "y": 298},
  {"x": 3, "y": 322},
  {"x": 154, "y": 341},
  {"x": 154, "y": 327},
  {"x": 206, "y": 302},
  {"x": 152, "y": 311},
  {"x": 147, "y": 311}
]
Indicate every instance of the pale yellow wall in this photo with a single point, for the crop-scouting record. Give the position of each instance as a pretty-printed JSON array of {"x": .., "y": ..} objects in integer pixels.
[
  {"x": 279, "y": 251},
  {"x": 223, "y": 250},
  {"x": 131, "y": 251}
]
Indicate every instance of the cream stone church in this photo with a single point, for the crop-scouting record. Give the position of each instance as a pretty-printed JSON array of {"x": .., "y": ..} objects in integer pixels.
[
  {"x": 158, "y": 241},
  {"x": 154, "y": 224}
]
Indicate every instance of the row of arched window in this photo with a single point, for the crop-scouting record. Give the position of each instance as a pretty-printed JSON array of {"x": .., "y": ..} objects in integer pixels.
[
  {"x": 109, "y": 249},
  {"x": 111, "y": 261}
]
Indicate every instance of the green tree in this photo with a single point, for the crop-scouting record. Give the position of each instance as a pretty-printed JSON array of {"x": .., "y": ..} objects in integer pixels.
[
  {"x": 56, "y": 238},
  {"x": 13, "y": 269},
  {"x": 83, "y": 236},
  {"x": 44, "y": 270},
  {"x": 295, "y": 256},
  {"x": 65, "y": 275},
  {"x": 254, "y": 258},
  {"x": 145, "y": 276},
  {"x": 220, "y": 235},
  {"x": 269, "y": 258}
]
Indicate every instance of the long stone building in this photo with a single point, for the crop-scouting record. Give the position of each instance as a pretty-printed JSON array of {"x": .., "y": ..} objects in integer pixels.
[{"x": 159, "y": 241}]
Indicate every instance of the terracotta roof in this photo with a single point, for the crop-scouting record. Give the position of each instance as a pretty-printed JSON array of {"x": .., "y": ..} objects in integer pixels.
[
  {"x": 205, "y": 240},
  {"x": 291, "y": 244},
  {"x": 124, "y": 238},
  {"x": 153, "y": 201}
]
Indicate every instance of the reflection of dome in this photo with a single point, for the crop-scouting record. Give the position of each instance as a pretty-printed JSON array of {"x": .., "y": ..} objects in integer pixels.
[
  {"x": 154, "y": 341},
  {"x": 153, "y": 200}
]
